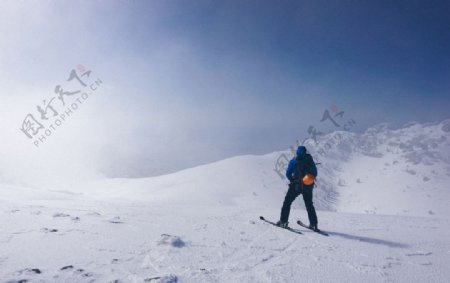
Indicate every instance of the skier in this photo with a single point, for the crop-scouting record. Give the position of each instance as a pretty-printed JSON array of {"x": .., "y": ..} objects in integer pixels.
[{"x": 301, "y": 173}]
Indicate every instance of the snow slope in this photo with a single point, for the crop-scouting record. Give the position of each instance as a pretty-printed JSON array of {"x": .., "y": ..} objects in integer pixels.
[
  {"x": 382, "y": 196},
  {"x": 400, "y": 172}
]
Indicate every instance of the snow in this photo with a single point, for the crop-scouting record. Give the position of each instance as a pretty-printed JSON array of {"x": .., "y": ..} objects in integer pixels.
[{"x": 381, "y": 195}]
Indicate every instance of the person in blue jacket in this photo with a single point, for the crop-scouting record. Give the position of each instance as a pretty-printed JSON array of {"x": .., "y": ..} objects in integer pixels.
[{"x": 298, "y": 167}]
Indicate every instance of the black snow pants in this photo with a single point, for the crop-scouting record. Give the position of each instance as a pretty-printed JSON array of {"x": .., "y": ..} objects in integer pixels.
[{"x": 295, "y": 189}]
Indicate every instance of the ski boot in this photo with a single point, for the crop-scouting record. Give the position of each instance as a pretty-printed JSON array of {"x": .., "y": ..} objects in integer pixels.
[
  {"x": 314, "y": 227},
  {"x": 282, "y": 224}
]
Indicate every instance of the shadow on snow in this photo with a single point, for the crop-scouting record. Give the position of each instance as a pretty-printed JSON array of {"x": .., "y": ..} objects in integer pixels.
[{"x": 390, "y": 244}]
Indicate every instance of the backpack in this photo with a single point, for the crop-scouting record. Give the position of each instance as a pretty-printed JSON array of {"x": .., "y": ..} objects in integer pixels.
[{"x": 304, "y": 164}]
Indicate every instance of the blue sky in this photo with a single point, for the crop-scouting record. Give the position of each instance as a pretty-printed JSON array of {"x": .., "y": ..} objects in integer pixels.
[{"x": 189, "y": 82}]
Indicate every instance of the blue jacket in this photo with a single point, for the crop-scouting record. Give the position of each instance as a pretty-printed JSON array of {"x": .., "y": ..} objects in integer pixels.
[{"x": 305, "y": 165}]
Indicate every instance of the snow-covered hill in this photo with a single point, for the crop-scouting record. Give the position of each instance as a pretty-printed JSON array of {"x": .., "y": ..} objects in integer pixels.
[
  {"x": 383, "y": 197},
  {"x": 400, "y": 172}
]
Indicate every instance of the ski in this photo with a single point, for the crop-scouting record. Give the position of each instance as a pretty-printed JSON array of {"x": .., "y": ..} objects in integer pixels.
[
  {"x": 274, "y": 224},
  {"x": 307, "y": 227}
]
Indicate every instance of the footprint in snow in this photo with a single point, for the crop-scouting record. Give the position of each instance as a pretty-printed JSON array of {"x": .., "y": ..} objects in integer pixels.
[
  {"x": 29, "y": 271},
  {"x": 36, "y": 271},
  {"x": 60, "y": 214},
  {"x": 26, "y": 272},
  {"x": 115, "y": 220},
  {"x": 419, "y": 254},
  {"x": 173, "y": 241},
  {"x": 47, "y": 230},
  {"x": 164, "y": 279},
  {"x": 80, "y": 271}
]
